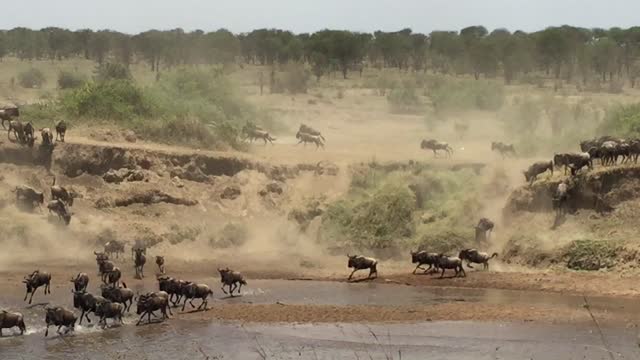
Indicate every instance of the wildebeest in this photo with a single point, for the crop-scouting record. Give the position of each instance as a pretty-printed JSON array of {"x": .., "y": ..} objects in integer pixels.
[
  {"x": 476, "y": 257},
  {"x": 34, "y": 281},
  {"x": 61, "y": 193},
  {"x": 138, "y": 245},
  {"x": 148, "y": 304},
  {"x": 446, "y": 262},
  {"x": 424, "y": 258},
  {"x": 503, "y": 149},
  {"x": 160, "y": 263},
  {"x": 305, "y": 138},
  {"x": 29, "y": 133},
  {"x": 483, "y": 230},
  {"x": 193, "y": 291},
  {"x": 311, "y": 131},
  {"x": 59, "y": 316},
  {"x": 110, "y": 310},
  {"x": 436, "y": 146},
  {"x": 11, "y": 319},
  {"x": 139, "y": 261},
  {"x": 173, "y": 287},
  {"x": 7, "y": 113},
  {"x": 59, "y": 208},
  {"x": 560, "y": 198},
  {"x": 122, "y": 295},
  {"x": 232, "y": 279},
  {"x": 536, "y": 169},
  {"x": 18, "y": 131},
  {"x": 358, "y": 262},
  {"x": 87, "y": 303},
  {"x": 113, "y": 277},
  {"x": 597, "y": 142},
  {"x": 252, "y": 134},
  {"x": 80, "y": 282},
  {"x": 568, "y": 159},
  {"x": 28, "y": 196},
  {"x": 47, "y": 136},
  {"x": 61, "y": 130},
  {"x": 114, "y": 247}
]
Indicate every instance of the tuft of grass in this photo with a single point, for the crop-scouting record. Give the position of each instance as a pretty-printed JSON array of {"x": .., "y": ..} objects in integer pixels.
[
  {"x": 31, "y": 78},
  {"x": 591, "y": 254}
]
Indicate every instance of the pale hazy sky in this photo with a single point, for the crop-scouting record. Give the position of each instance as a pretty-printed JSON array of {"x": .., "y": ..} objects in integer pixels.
[{"x": 133, "y": 16}]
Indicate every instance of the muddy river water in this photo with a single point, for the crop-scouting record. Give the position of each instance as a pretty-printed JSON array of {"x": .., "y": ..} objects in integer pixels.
[{"x": 198, "y": 339}]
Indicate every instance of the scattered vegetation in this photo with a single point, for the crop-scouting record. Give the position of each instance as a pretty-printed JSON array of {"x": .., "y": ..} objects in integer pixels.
[
  {"x": 70, "y": 80},
  {"x": 622, "y": 120},
  {"x": 591, "y": 254},
  {"x": 232, "y": 235},
  {"x": 32, "y": 78}
]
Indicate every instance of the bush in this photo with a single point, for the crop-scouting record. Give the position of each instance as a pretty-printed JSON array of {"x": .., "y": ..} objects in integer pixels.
[
  {"x": 295, "y": 79},
  {"x": 622, "y": 120},
  {"x": 591, "y": 255},
  {"x": 32, "y": 78},
  {"x": 111, "y": 71},
  {"x": 231, "y": 235},
  {"x": 404, "y": 100},
  {"x": 464, "y": 95},
  {"x": 70, "y": 80},
  {"x": 108, "y": 100}
]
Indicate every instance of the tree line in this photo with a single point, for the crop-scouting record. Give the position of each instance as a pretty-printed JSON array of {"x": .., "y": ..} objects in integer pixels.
[{"x": 564, "y": 53}]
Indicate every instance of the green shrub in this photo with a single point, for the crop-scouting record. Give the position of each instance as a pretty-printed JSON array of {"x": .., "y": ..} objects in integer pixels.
[
  {"x": 446, "y": 241},
  {"x": 463, "y": 95},
  {"x": 112, "y": 71},
  {"x": 231, "y": 235},
  {"x": 32, "y": 78},
  {"x": 622, "y": 120},
  {"x": 108, "y": 100},
  {"x": 295, "y": 79},
  {"x": 70, "y": 80},
  {"x": 591, "y": 254},
  {"x": 404, "y": 100}
]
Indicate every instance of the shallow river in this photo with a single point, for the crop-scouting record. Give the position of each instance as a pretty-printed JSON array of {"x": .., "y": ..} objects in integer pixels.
[{"x": 181, "y": 339}]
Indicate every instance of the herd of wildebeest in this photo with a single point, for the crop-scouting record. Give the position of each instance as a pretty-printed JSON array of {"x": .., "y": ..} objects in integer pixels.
[{"x": 115, "y": 298}]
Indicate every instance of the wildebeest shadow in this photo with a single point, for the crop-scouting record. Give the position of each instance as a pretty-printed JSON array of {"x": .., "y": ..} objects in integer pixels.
[
  {"x": 195, "y": 311},
  {"x": 35, "y": 305},
  {"x": 361, "y": 280},
  {"x": 230, "y": 297}
]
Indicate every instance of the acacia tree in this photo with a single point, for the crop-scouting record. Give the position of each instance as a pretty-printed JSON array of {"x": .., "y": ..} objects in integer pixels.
[{"x": 343, "y": 47}]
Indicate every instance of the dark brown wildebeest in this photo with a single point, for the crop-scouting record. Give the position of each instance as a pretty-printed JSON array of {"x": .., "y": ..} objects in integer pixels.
[
  {"x": 61, "y": 193},
  {"x": 109, "y": 310},
  {"x": 148, "y": 304},
  {"x": 503, "y": 149},
  {"x": 139, "y": 261},
  {"x": 436, "y": 146},
  {"x": 305, "y": 138},
  {"x": 536, "y": 169},
  {"x": 193, "y": 291},
  {"x": 483, "y": 230},
  {"x": 61, "y": 130},
  {"x": 7, "y": 113},
  {"x": 10, "y": 319},
  {"x": 476, "y": 257},
  {"x": 358, "y": 262},
  {"x": 160, "y": 263},
  {"x": 87, "y": 303},
  {"x": 47, "y": 136},
  {"x": 311, "y": 131},
  {"x": 232, "y": 279},
  {"x": 59, "y": 316},
  {"x": 455, "y": 263},
  {"x": 114, "y": 247},
  {"x": 424, "y": 258},
  {"x": 28, "y": 196},
  {"x": 59, "y": 208},
  {"x": 80, "y": 282},
  {"x": 122, "y": 295},
  {"x": 34, "y": 281}
]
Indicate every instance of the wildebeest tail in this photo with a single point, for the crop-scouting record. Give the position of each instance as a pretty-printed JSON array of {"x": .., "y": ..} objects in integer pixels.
[{"x": 243, "y": 282}]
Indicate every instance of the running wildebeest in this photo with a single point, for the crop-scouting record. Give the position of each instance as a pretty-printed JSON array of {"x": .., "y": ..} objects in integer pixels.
[
  {"x": 59, "y": 316},
  {"x": 483, "y": 230},
  {"x": 446, "y": 262},
  {"x": 47, "y": 137},
  {"x": 160, "y": 263},
  {"x": 28, "y": 196},
  {"x": 536, "y": 169},
  {"x": 358, "y": 262},
  {"x": 114, "y": 247},
  {"x": 113, "y": 277},
  {"x": 252, "y": 134},
  {"x": 231, "y": 279},
  {"x": 122, "y": 295},
  {"x": 87, "y": 303},
  {"x": 61, "y": 193},
  {"x": 11, "y": 319},
  {"x": 193, "y": 291},
  {"x": 173, "y": 287},
  {"x": 436, "y": 146},
  {"x": 34, "y": 281},
  {"x": 110, "y": 310},
  {"x": 140, "y": 260},
  {"x": 503, "y": 149},
  {"x": 61, "y": 130},
  {"x": 574, "y": 161},
  {"x": 18, "y": 131},
  {"x": 148, "y": 304},
  {"x": 424, "y": 258},
  {"x": 560, "y": 198},
  {"x": 311, "y": 131},
  {"x": 7, "y": 113},
  {"x": 59, "y": 208},
  {"x": 80, "y": 282},
  {"x": 305, "y": 138},
  {"x": 476, "y": 257}
]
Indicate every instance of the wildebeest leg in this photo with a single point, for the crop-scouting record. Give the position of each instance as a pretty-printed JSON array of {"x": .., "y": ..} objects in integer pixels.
[
  {"x": 184, "y": 303},
  {"x": 233, "y": 288},
  {"x": 240, "y": 289},
  {"x": 48, "y": 288},
  {"x": 350, "y": 276},
  {"x": 33, "y": 292},
  {"x": 442, "y": 275},
  {"x": 416, "y": 269},
  {"x": 140, "y": 320},
  {"x": 464, "y": 274},
  {"x": 46, "y": 332},
  {"x": 223, "y": 290},
  {"x": 373, "y": 271}
]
